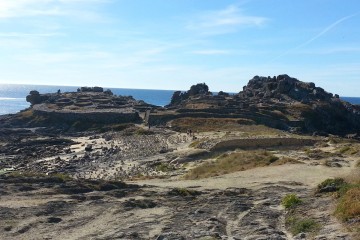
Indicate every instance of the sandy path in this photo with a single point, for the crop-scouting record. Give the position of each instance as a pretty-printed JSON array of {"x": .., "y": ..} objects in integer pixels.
[{"x": 301, "y": 173}]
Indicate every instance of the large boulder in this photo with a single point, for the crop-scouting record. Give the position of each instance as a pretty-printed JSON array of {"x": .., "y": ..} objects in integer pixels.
[
  {"x": 34, "y": 97},
  {"x": 200, "y": 89}
]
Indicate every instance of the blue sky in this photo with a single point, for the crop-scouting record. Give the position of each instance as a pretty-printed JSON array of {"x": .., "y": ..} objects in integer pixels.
[{"x": 173, "y": 44}]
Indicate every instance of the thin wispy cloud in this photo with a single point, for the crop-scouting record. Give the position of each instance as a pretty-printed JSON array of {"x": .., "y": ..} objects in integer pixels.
[
  {"x": 32, "y": 8},
  {"x": 225, "y": 20},
  {"x": 331, "y": 50},
  {"x": 211, "y": 52},
  {"x": 21, "y": 35},
  {"x": 41, "y": 58},
  {"x": 323, "y": 32}
]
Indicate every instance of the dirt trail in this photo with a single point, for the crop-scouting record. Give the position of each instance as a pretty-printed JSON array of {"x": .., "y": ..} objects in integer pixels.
[{"x": 308, "y": 175}]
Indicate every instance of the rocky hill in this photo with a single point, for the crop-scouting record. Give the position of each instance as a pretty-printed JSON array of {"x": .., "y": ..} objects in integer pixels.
[
  {"x": 282, "y": 102},
  {"x": 87, "y": 107}
]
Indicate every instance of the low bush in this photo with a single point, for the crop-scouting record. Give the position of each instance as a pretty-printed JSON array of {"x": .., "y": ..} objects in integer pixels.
[
  {"x": 291, "y": 200},
  {"x": 349, "y": 204},
  {"x": 142, "y": 131},
  {"x": 297, "y": 225},
  {"x": 331, "y": 185},
  {"x": 164, "y": 167},
  {"x": 183, "y": 192},
  {"x": 348, "y": 198}
]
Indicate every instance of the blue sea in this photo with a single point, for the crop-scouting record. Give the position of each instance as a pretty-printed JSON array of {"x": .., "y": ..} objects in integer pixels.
[{"x": 13, "y": 97}]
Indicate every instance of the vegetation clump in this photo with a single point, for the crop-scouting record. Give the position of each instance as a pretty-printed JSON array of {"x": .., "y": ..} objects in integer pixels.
[
  {"x": 164, "y": 167},
  {"x": 290, "y": 201},
  {"x": 331, "y": 185},
  {"x": 220, "y": 124},
  {"x": 302, "y": 225},
  {"x": 347, "y": 193},
  {"x": 142, "y": 131},
  {"x": 233, "y": 162},
  {"x": 349, "y": 204},
  {"x": 184, "y": 192}
]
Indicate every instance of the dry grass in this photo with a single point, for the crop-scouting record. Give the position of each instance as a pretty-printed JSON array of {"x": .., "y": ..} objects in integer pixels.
[
  {"x": 208, "y": 124},
  {"x": 349, "y": 149},
  {"x": 318, "y": 154},
  {"x": 222, "y": 124},
  {"x": 27, "y": 114},
  {"x": 286, "y": 160},
  {"x": 348, "y": 207},
  {"x": 237, "y": 161},
  {"x": 349, "y": 204}
]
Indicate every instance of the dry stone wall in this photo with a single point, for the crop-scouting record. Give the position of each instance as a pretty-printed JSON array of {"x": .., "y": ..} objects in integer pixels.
[{"x": 262, "y": 143}]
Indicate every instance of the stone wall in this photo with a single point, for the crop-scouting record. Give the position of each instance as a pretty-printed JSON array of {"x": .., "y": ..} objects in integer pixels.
[
  {"x": 158, "y": 119},
  {"x": 101, "y": 117},
  {"x": 246, "y": 143}
]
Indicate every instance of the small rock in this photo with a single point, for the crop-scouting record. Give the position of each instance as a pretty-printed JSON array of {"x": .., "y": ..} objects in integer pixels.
[
  {"x": 301, "y": 236},
  {"x": 88, "y": 148},
  {"x": 54, "y": 220},
  {"x": 8, "y": 228}
]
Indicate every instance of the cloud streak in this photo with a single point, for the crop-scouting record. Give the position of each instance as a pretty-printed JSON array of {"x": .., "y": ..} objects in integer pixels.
[
  {"x": 32, "y": 8},
  {"x": 211, "y": 52},
  {"x": 324, "y": 31},
  {"x": 22, "y": 35},
  {"x": 225, "y": 20}
]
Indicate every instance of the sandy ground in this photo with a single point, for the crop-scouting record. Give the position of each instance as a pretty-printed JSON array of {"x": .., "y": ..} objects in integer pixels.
[{"x": 240, "y": 205}]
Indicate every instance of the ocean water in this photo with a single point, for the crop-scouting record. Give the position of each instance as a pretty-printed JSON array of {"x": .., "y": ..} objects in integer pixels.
[
  {"x": 353, "y": 100},
  {"x": 13, "y": 97}
]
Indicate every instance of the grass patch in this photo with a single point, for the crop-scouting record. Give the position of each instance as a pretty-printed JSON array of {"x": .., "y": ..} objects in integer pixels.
[
  {"x": 290, "y": 201},
  {"x": 164, "y": 167},
  {"x": 349, "y": 150},
  {"x": 318, "y": 154},
  {"x": 195, "y": 144},
  {"x": 286, "y": 160},
  {"x": 183, "y": 192},
  {"x": 333, "y": 184},
  {"x": 34, "y": 177},
  {"x": 349, "y": 204},
  {"x": 233, "y": 162},
  {"x": 299, "y": 225},
  {"x": 26, "y": 114},
  {"x": 222, "y": 124},
  {"x": 347, "y": 193},
  {"x": 344, "y": 149},
  {"x": 142, "y": 131}
]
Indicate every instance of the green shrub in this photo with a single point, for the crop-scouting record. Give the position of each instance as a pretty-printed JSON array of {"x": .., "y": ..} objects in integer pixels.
[
  {"x": 344, "y": 149},
  {"x": 290, "y": 201},
  {"x": 141, "y": 131},
  {"x": 336, "y": 183},
  {"x": 164, "y": 167},
  {"x": 195, "y": 144},
  {"x": 349, "y": 204},
  {"x": 183, "y": 192},
  {"x": 302, "y": 225}
]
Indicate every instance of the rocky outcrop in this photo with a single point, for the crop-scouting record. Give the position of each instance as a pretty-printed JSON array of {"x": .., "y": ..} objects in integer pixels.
[
  {"x": 280, "y": 102},
  {"x": 198, "y": 90},
  {"x": 283, "y": 86},
  {"x": 87, "y": 106},
  {"x": 91, "y": 89},
  {"x": 321, "y": 112},
  {"x": 34, "y": 97}
]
